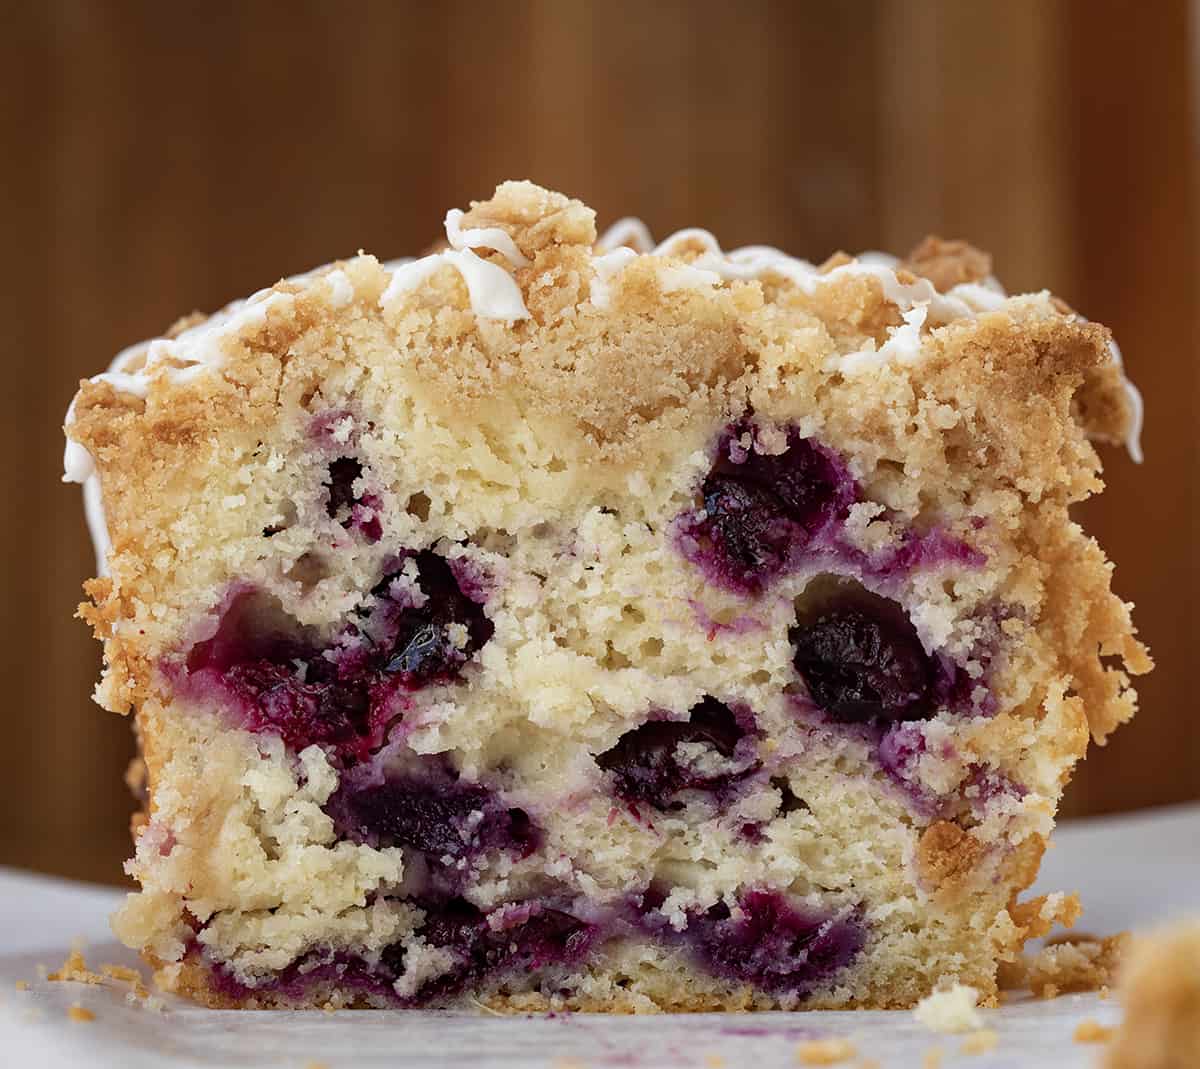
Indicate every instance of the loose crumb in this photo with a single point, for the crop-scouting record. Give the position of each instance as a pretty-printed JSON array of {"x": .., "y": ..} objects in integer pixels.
[
  {"x": 22, "y": 985},
  {"x": 1076, "y": 963},
  {"x": 121, "y": 972},
  {"x": 316, "y": 1065},
  {"x": 932, "y": 1059},
  {"x": 80, "y": 1013},
  {"x": 1104, "y": 993},
  {"x": 825, "y": 1051},
  {"x": 75, "y": 970},
  {"x": 980, "y": 1042},
  {"x": 714, "y": 1061},
  {"x": 950, "y": 1010},
  {"x": 869, "y": 1063},
  {"x": 1090, "y": 1031}
]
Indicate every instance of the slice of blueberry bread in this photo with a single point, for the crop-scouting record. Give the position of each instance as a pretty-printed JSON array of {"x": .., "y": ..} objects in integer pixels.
[{"x": 549, "y": 622}]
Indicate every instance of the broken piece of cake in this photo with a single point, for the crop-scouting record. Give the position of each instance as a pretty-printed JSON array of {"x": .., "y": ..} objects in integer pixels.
[
  {"x": 1160, "y": 990},
  {"x": 551, "y": 622}
]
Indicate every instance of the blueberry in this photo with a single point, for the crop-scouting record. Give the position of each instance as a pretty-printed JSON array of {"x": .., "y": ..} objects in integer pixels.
[
  {"x": 645, "y": 765},
  {"x": 421, "y": 650},
  {"x": 747, "y": 529},
  {"x": 864, "y": 662},
  {"x": 760, "y": 509},
  {"x": 772, "y": 944},
  {"x": 455, "y": 820}
]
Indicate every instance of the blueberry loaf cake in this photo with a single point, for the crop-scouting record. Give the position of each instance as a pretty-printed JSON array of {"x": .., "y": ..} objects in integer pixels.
[{"x": 562, "y": 622}]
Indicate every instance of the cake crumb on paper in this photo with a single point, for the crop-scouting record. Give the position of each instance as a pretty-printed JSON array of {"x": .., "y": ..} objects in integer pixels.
[
  {"x": 1076, "y": 963},
  {"x": 1092, "y": 1031},
  {"x": 75, "y": 970},
  {"x": 932, "y": 1059},
  {"x": 950, "y": 1010},
  {"x": 125, "y": 975},
  {"x": 22, "y": 985},
  {"x": 80, "y": 1013},
  {"x": 825, "y": 1051},
  {"x": 714, "y": 1061},
  {"x": 121, "y": 972},
  {"x": 980, "y": 1042}
]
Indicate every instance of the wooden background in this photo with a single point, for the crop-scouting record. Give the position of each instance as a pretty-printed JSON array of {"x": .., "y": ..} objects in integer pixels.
[{"x": 160, "y": 157}]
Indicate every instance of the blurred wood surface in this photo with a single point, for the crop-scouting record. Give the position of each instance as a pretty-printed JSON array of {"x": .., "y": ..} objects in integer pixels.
[{"x": 163, "y": 157}]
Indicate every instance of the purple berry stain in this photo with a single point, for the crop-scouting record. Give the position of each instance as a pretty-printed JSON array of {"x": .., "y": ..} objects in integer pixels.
[
  {"x": 760, "y": 509},
  {"x": 770, "y": 943},
  {"x": 342, "y": 694},
  {"x": 478, "y": 949},
  {"x": 863, "y": 662},
  {"x": 541, "y": 936},
  {"x": 646, "y": 766}
]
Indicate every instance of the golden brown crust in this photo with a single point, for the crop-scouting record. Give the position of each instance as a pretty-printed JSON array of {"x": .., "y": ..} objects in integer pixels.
[
  {"x": 947, "y": 858},
  {"x": 948, "y": 263},
  {"x": 1103, "y": 406}
]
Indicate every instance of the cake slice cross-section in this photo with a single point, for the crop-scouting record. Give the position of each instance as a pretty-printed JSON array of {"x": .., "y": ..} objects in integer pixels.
[{"x": 554, "y": 622}]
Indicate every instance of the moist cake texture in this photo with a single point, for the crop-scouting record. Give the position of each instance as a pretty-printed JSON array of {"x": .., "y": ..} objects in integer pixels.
[{"x": 558, "y": 623}]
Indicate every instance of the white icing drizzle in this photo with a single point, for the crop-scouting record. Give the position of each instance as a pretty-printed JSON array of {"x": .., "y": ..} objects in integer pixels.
[
  {"x": 630, "y": 231},
  {"x": 919, "y": 302},
  {"x": 606, "y": 265},
  {"x": 903, "y": 345},
  {"x": 78, "y": 465},
  {"x": 97, "y": 523},
  {"x": 189, "y": 354},
  {"x": 488, "y": 237},
  {"x": 755, "y": 261},
  {"x": 1133, "y": 440},
  {"x": 686, "y": 277},
  {"x": 342, "y": 289},
  {"x": 494, "y": 293}
]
